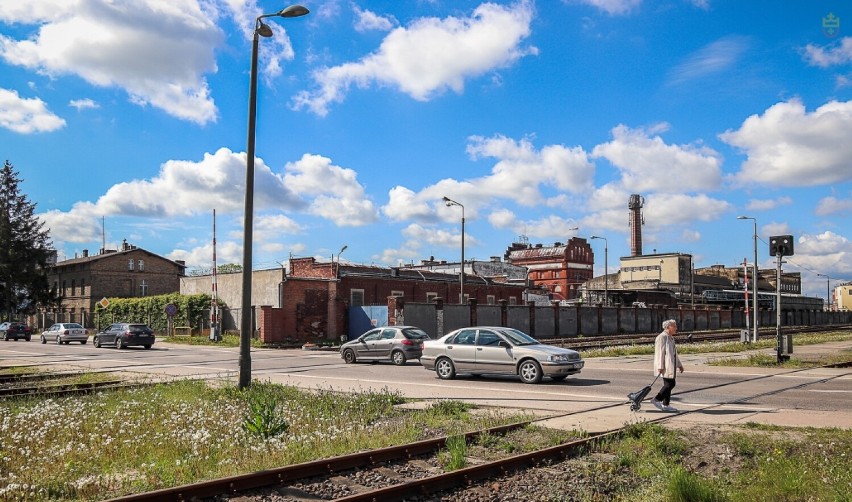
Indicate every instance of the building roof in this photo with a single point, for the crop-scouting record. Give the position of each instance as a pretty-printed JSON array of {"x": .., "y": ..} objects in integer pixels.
[{"x": 112, "y": 252}]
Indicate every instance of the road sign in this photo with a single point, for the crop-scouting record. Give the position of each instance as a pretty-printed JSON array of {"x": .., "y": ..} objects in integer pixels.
[
  {"x": 104, "y": 303},
  {"x": 171, "y": 309}
]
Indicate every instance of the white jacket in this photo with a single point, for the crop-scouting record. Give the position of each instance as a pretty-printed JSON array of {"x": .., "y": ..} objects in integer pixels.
[{"x": 665, "y": 355}]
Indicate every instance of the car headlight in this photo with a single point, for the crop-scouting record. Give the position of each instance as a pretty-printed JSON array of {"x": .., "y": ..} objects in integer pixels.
[{"x": 559, "y": 357}]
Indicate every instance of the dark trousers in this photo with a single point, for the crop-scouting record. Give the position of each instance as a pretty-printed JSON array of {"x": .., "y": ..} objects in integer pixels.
[{"x": 665, "y": 394}]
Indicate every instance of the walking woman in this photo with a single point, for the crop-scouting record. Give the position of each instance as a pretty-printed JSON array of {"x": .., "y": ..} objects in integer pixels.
[{"x": 666, "y": 362}]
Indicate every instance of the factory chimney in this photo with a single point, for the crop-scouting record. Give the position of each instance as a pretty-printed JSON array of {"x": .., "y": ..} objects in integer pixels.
[{"x": 636, "y": 221}]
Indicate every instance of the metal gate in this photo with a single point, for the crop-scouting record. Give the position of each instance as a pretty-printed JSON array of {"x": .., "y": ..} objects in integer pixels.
[{"x": 366, "y": 317}]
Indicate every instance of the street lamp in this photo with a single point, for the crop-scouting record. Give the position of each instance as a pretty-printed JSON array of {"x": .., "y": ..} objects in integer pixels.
[
  {"x": 827, "y": 291},
  {"x": 260, "y": 30},
  {"x": 606, "y": 268},
  {"x": 450, "y": 202},
  {"x": 754, "y": 276},
  {"x": 337, "y": 270}
]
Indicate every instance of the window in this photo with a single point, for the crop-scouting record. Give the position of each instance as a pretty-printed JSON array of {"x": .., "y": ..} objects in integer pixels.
[
  {"x": 356, "y": 298},
  {"x": 140, "y": 265},
  {"x": 490, "y": 299},
  {"x": 465, "y": 337},
  {"x": 64, "y": 290},
  {"x": 130, "y": 264},
  {"x": 143, "y": 288},
  {"x": 83, "y": 287},
  {"x": 430, "y": 297},
  {"x": 513, "y": 300},
  {"x": 73, "y": 287}
]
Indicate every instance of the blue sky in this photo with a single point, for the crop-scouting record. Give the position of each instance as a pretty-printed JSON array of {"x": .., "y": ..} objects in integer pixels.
[{"x": 538, "y": 116}]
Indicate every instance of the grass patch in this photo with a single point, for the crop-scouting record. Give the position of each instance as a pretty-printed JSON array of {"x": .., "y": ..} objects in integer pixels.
[
  {"x": 110, "y": 444},
  {"x": 771, "y": 361},
  {"x": 707, "y": 347},
  {"x": 228, "y": 340},
  {"x": 737, "y": 464}
]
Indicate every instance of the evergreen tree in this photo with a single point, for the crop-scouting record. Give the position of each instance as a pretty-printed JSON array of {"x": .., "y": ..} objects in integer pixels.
[{"x": 25, "y": 249}]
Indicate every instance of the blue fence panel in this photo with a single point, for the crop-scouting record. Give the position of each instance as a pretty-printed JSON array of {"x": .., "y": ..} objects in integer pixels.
[{"x": 365, "y": 318}]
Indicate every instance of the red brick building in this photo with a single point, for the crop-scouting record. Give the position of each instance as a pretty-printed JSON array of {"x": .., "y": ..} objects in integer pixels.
[
  {"x": 561, "y": 268},
  {"x": 316, "y": 296},
  {"x": 129, "y": 272}
]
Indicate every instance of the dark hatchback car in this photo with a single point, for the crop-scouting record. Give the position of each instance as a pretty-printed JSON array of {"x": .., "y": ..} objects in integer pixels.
[
  {"x": 15, "y": 330},
  {"x": 125, "y": 334},
  {"x": 396, "y": 344}
]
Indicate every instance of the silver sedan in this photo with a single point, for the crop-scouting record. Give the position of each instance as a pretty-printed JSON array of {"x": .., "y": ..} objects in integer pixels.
[
  {"x": 486, "y": 350},
  {"x": 65, "y": 332}
]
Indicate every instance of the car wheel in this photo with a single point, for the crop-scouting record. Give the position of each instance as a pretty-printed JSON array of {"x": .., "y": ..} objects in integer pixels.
[
  {"x": 349, "y": 356},
  {"x": 121, "y": 342},
  {"x": 43, "y": 339},
  {"x": 58, "y": 340},
  {"x": 558, "y": 378},
  {"x": 529, "y": 371},
  {"x": 445, "y": 369},
  {"x": 398, "y": 358},
  {"x": 28, "y": 338},
  {"x": 97, "y": 342},
  {"x": 147, "y": 346}
]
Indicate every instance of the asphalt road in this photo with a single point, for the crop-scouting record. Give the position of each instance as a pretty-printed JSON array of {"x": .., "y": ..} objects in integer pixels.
[{"x": 593, "y": 400}]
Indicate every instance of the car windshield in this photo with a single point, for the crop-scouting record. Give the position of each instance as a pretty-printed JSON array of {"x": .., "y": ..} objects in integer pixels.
[
  {"x": 73, "y": 325},
  {"x": 137, "y": 327},
  {"x": 415, "y": 334},
  {"x": 518, "y": 337}
]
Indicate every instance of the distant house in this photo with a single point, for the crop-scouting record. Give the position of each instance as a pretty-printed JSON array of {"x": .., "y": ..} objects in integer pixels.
[
  {"x": 561, "y": 269},
  {"x": 130, "y": 272}
]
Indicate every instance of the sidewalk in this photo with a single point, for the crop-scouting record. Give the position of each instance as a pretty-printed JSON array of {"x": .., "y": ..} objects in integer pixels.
[{"x": 617, "y": 416}]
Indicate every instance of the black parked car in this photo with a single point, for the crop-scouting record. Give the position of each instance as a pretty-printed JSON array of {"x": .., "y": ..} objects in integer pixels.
[
  {"x": 15, "y": 330},
  {"x": 125, "y": 334}
]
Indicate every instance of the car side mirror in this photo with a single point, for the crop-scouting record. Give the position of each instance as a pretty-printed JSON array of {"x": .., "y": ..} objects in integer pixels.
[{"x": 504, "y": 344}]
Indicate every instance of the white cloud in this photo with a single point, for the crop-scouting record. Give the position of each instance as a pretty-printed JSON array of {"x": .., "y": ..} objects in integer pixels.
[
  {"x": 836, "y": 54},
  {"x": 202, "y": 256},
  {"x": 518, "y": 175},
  {"x": 370, "y": 21},
  {"x": 787, "y": 146},
  {"x": 648, "y": 164},
  {"x": 767, "y": 204},
  {"x": 833, "y": 205},
  {"x": 662, "y": 210},
  {"x": 613, "y": 7},
  {"x": 156, "y": 50},
  {"x": 712, "y": 59},
  {"x": 430, "y": 56},
  {"x": 827, "y": 253},
  {"x": 340, "y": 198},
  {"x": 26, "y": 116},
  {"x": 82, "y": 104},
  {"x": 74, "y": 226}
]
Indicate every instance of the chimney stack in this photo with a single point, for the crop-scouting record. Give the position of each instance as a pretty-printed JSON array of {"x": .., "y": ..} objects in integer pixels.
[{"x": 636, "y": 221}]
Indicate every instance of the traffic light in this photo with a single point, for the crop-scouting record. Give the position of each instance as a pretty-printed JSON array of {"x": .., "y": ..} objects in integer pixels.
[{"x": 781, "y": 245}]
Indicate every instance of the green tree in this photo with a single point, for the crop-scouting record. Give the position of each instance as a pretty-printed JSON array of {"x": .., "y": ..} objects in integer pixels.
[
  {"x": 25, "y": 251},
  {"x": 229, "y": 268}
]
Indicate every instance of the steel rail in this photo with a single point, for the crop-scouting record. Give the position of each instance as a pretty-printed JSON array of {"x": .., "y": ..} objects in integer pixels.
[{"x": 322, "y": 467}]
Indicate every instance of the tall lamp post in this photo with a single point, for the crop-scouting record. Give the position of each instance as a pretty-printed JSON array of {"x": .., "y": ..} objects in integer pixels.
[
  {"x": 337, "y": 270},
  {"x": 827, "y": 291},
  {"x": 753, "y": 277},
  {"x": 606, "y": 268},
  {"x": 450, "y": 202},
  {"x": 260, "y": 30}
]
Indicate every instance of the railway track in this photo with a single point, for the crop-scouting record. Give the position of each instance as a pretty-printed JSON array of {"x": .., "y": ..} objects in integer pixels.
[
  {"x": 42, "y": 384},
  {"x": 412, "y": 472},
  {"x": 597, "y": 342}
]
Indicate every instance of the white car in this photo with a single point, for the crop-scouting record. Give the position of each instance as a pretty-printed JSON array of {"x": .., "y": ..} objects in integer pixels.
[
  {"x": 65, "y": 332},
  {"x": 487, "y": 350}
]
